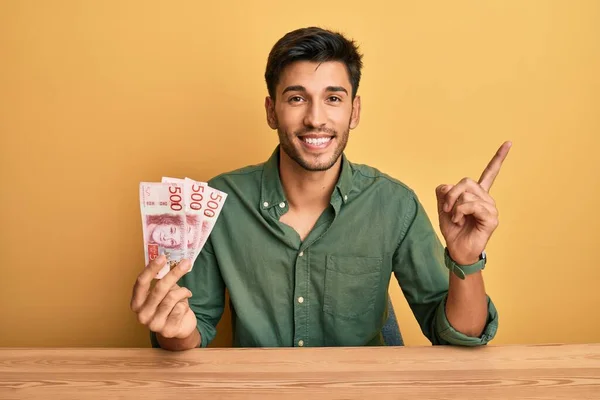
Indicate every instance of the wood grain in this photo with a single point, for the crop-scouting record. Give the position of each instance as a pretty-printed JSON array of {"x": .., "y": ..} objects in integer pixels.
[{"x": 488, "y": 372}]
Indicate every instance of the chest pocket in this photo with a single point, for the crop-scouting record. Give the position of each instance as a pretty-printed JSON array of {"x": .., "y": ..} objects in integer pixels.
[{"x": 351, "y": 285}]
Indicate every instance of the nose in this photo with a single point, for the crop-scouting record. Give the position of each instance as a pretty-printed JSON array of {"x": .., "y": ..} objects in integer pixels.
[{"x": 315, "y": 116}]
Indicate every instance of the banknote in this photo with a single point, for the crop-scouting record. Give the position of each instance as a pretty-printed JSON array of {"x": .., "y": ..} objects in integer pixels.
[
  {"x": 164, "y": 223},
  {"x": 211, "y": 206},
  {"x": 194, "y": 203},
  {"x": 178, "y": 216},
  {"x": 197, "y": 205}
]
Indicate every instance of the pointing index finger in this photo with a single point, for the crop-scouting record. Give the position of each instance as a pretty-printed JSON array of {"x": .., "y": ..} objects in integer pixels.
[{"x": 493, "y": 168}]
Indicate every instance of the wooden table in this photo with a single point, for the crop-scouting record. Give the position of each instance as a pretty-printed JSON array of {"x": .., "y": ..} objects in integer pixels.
[{"x": 374, "y": 373}]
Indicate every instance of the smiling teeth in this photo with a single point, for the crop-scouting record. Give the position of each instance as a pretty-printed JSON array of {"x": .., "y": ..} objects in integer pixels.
[{"x": 318, "y": 141}]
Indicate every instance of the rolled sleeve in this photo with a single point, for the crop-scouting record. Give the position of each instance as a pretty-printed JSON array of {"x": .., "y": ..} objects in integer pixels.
[
  {"x": 208, "y": 293},
  {"x": 419, "y": 267},
  {"x": 207, "y": 332},
  {"x": 449, "y": 335}
]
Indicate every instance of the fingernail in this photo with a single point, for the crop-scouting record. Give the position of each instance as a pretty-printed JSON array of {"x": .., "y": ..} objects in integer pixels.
[
  {"x": 184, "y": 265},
  {"x": 161, "y": 259}
]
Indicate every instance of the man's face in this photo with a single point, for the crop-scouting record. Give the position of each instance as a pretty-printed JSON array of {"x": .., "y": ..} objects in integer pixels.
[{"x": 313, "y": 113}]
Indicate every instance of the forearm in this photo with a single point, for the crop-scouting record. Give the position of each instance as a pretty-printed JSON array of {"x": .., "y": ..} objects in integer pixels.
[
  {"x": 174, "y": 344},
  {"x": 466, "y": 305}
]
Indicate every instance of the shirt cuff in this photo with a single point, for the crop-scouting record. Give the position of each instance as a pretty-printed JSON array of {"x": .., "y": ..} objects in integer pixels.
[
  {"x": 207, "y": 333},
  {"x": 451, "y": 336}
]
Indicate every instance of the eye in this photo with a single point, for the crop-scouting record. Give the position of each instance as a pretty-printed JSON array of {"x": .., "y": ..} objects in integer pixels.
[
  {"x": 334, "y": 99},
  {"x": 172, "y": 230},
  {"x": 295, "y": 99}
]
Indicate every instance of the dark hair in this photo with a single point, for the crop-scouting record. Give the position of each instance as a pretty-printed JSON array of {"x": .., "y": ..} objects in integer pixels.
[{"x": 313, "y": 44}]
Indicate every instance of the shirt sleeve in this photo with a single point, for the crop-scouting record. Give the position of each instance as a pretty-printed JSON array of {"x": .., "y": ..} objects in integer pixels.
[
  {"x": 418, "y": 265},
  {"x": 208, "y": 294}
]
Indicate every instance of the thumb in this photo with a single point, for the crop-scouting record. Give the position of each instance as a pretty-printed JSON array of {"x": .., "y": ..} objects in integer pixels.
[{"x": 440, "y": 193}]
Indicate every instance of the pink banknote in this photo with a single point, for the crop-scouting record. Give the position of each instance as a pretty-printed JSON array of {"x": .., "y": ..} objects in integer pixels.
[
  {"x": 194, "y": 204},
  {"x": 164, "y": 223},
  {"x": 211, "y": 203}
]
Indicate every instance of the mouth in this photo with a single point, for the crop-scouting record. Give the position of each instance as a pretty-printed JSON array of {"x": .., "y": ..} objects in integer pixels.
[{"x": 316, "y": 142}]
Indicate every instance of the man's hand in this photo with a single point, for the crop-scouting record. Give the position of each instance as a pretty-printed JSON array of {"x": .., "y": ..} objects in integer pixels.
[
  {"x": 468, "y": 214},
  {"x": 164, "y": 309}
]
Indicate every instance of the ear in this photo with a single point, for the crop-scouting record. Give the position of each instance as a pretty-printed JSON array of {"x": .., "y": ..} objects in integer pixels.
[
  {"x": 355, "y": 118},
  {"x": 270, "y": 110}
]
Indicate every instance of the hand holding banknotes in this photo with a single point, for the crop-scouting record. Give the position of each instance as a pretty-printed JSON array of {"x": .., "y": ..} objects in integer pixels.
[
  {"x": 178, "y": 216},
  {"x": 164, "y": 309}
]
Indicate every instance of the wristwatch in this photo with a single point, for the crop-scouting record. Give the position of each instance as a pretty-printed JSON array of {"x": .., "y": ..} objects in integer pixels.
[{"x": 463, "y": 270}]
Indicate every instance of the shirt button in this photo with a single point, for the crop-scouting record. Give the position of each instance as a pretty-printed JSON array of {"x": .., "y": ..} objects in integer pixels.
[
  {"x": 300, "y": 299},
  {"x": 282, "y": 204},
  {"x": 345, "y": 197},
  {"x": 301, "y": 343},
  {"x": 265, "y": 204},
  {"x": 301, "y": 254}
]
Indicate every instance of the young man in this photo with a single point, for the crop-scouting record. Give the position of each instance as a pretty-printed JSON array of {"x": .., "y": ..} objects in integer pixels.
[{"x": 307, "y": 242}]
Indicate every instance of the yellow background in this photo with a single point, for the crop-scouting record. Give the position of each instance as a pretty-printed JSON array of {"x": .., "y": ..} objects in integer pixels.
[{"x": 96, "y": 96}]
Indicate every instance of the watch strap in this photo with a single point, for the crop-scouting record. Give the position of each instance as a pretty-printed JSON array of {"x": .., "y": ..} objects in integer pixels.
[{"x": 463, "y": 270}]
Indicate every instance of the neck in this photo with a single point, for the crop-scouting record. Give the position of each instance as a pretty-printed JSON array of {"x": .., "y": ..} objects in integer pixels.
[{"x": 306, "y": 190}]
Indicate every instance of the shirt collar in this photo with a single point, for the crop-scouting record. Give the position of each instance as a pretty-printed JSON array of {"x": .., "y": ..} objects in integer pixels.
[
  {"x": 344, "y": 183},
  {"x": 272, "y": 193}
]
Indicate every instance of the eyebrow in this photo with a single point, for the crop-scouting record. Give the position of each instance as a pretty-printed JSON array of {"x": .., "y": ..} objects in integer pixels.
[
  {"x": 300, "y": 88},
  {"x": 336, "y": 89}
]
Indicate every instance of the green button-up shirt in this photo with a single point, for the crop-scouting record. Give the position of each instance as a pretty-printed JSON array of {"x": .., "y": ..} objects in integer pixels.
[{"x": 332, "y": 288}]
